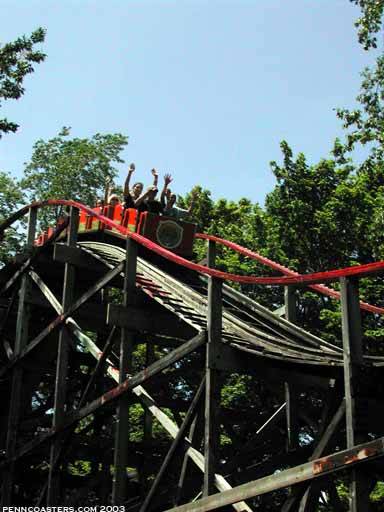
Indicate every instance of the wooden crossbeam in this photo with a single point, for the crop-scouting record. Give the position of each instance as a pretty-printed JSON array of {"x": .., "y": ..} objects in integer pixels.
[
  {"x": 318, "y": 468},
  {"x": 146, "y": 400}
]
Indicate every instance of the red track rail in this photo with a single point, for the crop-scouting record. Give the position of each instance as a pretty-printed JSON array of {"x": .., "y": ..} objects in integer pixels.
[
  {"x": 324, "y": 290},
  {"x": 291, "y": 277}
]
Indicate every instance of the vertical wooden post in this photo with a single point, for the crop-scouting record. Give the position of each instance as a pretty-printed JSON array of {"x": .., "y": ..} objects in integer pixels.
[
  {"x": 353, "y": 362},
  {"x": 290, "y": 303},
  {"x": 53, "y": 491},
  {"x": 21, "y": 340},
  {"x": 119, "y": 489},
  {"x": 291, "y": 409},
  {"x": 212, "y": 390},
  {"x": 148, "y": 423},
  {"x": 195, "y": 436}
]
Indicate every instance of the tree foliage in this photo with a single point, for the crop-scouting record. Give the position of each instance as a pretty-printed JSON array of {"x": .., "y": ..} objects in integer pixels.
[
  {"x": 370, "y": 22},
  {"x": 72, "y": 168},
  {"x": 318, "y": 216},
  {"x": 11, "y": 197},
  {"x": 17, "y": 60}
]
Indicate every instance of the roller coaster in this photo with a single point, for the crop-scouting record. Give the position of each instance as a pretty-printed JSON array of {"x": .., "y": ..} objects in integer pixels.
[{"x": 89, "y": 295}]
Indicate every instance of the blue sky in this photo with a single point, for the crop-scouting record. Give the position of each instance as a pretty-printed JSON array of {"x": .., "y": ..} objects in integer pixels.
[{"x": 205, "y": 90}]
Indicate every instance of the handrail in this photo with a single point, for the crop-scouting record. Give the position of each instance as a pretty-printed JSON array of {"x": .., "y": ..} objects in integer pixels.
[
  {"x": 308, "y": 279},
  {"x": 284, "y": 270}
]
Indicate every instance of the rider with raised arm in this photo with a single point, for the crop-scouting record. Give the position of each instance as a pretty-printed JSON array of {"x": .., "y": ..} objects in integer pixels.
[
  {"x": 134, "y": 197},
  {"x": 171, "y": 210},
  {"x": 163, "y": 196}
]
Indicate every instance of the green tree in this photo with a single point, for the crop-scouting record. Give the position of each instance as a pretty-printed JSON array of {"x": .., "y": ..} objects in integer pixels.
[
  {"x": 11, "y": 197},
  {"x": 17, "y": 60},
  {"x": 72, "y": 168},
  {"x": 370, "y": 22},
  {"x": 308, "y": 212}
]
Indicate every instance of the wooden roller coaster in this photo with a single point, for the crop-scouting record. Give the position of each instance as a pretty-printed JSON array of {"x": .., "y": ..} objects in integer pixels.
[{"x": 96, "y": 318}]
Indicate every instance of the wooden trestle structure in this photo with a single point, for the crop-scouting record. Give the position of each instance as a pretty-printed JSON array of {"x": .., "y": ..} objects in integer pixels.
[{"x": 72, "y": 314}]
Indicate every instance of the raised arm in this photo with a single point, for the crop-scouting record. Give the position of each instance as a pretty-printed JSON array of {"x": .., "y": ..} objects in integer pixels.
[
  {"x": 144, "y": 196},
  {"x": 155, "y": 175},
  {"x": 107, "y": 190},
  {"x": 167, "y": 181},
  {"x": 131, "y": 170}
]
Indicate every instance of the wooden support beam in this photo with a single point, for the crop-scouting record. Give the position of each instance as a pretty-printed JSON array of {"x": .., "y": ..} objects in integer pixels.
[
  {"x": 103, "y": 281},
  {"x": 338, "y": 461},
  {"x": 149, "y": 404},
  {"x": 321, "y": 447},
  {"x": 353, "y": 353},
  {"x": 164, "y": 420},
  {"x": 138, "y": 379},
  {"x": 133, "y": 383},
  {"x": 292, "y": 415},
  {"x": 53, "y": 492},
  {"x": 168, "y": 425},
  {"x": 92, "y": 315},
  {"x": 148, "y": 423},
  {"x": 151, "y": 321},
  {"x": 174, "y": 446},
  {"x": 290, "y": 304},
  {"x": 196, "y": 434},
  {"x": 77, "y": 257},
  {"x": 21, "y": 340},
  {"x": 119, "y": 487},
  {"x": 83, "y": 400},
  {"x": 275, "y": 372},
  {"x": 291, "y": 391},
  {"x": 212, "y": 389},
  {"x": 353, "y": 364},
  {"x": 36, "y": 251}
]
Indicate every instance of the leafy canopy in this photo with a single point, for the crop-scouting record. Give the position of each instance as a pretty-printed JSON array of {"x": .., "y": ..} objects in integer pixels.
[
  {"x": 370, "y": 22},
  {"x": 11, "y": 198},
  {"x": 72, "y": 168},
  {"x": 16, "y": 61}
]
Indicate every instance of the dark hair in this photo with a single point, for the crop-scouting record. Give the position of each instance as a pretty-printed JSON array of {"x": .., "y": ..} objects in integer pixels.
[{"x": 138, "y": 183}]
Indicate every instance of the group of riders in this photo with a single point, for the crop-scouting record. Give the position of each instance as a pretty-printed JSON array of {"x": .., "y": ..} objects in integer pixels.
[{"x": 134, "y": 197}]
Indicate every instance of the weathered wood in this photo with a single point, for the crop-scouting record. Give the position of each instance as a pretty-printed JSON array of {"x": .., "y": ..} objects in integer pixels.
[
  {"x": 292, "y": 415},
  {"x": 320, "y": 448},
  {"x": 353, "y": 363},
  {"x": 21, "y": 340},
  {"x": 290, "y": 390},
  {"x": 84, "y": 397},
  {"x": 353, "y": 355},
  {"x": 148, "y": 422},
  {"x": 211, "y": 254},
  {"x": 63, "y": 317},
  {"x": 150, "y": 405},
  {"x": 53, "y": 492},
  {"x": 142, "y": 395},
  {"x": 290, "y": 303},
  {"x": 77, "y": 257},
  {"x": 280, "y": 323},
  {"x": 280, "y": 311},
  {"x": 147, "y": 320},
  {"x": 36, "y": 251},
  {"x": 119, "y": 487},
  {"x": 274, "y": 371},
  {"x": 315, "y": 469},
  {"x": 212, "y": 391},
  {"x": 195, "y": 436},
  {"x": 136, "y": 380},
  {"x": 91, "y": 315},
  {"x": 174, "y": 446}
]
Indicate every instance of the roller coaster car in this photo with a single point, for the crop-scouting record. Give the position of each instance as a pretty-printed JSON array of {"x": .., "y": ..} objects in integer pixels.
[{"x": 175, "y": 235}]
